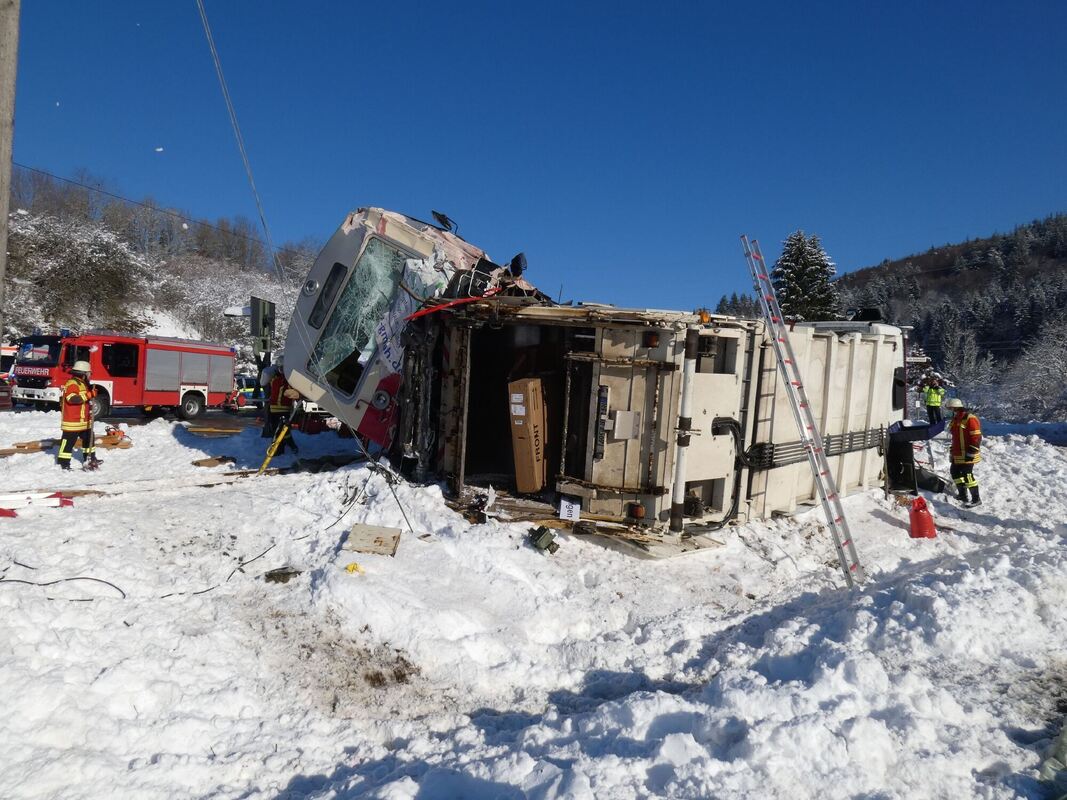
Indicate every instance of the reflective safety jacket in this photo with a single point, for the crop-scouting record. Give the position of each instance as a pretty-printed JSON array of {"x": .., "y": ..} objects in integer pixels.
[
  {"x": 279, "y": 403},
  {"x": 934, "y": 395},
  {"x": 966, "y": 432},
  {"x": 74, "y": 403}
]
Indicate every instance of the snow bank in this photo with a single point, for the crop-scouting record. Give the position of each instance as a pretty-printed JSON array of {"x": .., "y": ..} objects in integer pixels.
[{"x": 471, "y": 665}]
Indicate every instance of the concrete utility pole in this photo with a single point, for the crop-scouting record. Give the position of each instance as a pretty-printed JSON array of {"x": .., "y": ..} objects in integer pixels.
[{"x": 9, "y": 58}]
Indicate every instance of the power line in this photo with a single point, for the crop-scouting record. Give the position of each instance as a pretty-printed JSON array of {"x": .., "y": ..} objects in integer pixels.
[
  {"x": 263, "y": 218},
  {"x": 240, "y": 140},
  {"x": 155, "y": 208}
]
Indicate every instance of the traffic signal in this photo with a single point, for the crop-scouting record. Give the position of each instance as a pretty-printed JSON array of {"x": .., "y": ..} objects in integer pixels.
[
  {"x": 262, "y": 317},
  {"x": 262, "y": 324}
]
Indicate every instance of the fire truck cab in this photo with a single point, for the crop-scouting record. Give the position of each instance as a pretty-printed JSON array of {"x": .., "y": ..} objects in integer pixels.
[
  {"x": 7, "y": 360},
  {"x": 127, "y": 371}
]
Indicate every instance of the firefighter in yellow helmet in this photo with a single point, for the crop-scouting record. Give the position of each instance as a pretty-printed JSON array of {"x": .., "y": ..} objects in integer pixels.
[
  {"x": 77, "y": 422},
  {"x": 966, "y": 433}
]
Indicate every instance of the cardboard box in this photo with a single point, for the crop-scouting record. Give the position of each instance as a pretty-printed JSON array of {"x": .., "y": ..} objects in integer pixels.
[{"x": 527, "y": 410}]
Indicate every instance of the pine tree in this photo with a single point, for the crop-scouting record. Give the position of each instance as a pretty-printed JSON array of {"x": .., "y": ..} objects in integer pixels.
[
  {"x": 803, "y": 280},
  {"x": 748, "y": 306},
  {"x": 739, "y": 305}
]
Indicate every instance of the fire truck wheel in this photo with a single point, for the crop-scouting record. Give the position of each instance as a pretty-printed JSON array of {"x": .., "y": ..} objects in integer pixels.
[
  {"x": 99, "y": 406},
  {"x": 192, "y": 406}
]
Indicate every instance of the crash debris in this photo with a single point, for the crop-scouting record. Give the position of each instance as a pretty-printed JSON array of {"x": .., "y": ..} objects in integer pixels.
[
  {"x": 543, "y": 539},
  {"x": 112, "y": 440},
  {"x": 372, "y": 539}
]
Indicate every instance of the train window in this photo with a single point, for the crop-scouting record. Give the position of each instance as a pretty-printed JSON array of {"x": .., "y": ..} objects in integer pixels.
[
  {"x": 347, "y": 341},
  {"x": 326, "y": 296},
  {"x": 900, "y": 389}
]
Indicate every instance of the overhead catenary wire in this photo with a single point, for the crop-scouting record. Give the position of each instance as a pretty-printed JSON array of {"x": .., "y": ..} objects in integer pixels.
[
  {"x": 262, "y": 215},
  {"x": 65, "y": 580},
  {"x": 159, "y": 209},
  {"x": 243, "y": 564},
  {"x": 240, "y": 140},
  {"x": 239, "y": 568},
  {"x": 388, "y": 482}
]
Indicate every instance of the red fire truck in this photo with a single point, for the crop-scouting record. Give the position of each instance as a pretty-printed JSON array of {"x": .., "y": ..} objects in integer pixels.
[
  {"x": 154, "y": 372},
  {"x": 7, "y": 358}
]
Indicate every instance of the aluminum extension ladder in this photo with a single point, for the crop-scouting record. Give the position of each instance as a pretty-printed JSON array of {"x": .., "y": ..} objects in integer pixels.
[{"x": 798, "y": 401}]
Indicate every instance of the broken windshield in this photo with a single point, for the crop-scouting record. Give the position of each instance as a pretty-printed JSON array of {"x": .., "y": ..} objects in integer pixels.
[{"x": 348, "y": 338}]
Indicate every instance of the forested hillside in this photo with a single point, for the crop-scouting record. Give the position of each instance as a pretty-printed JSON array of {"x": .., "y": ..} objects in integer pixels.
[
  {"x": 79, "y": 258},
  {"x": 991, "y": 312}
]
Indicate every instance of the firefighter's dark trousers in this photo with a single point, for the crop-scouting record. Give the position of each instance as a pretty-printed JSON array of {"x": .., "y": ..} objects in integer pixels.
[
  {"x": 933, "y": 413},
  {"x": 963, "y": 477},
  {"x": 287, "y": 442},
  {"x": 70, "y": 441},
  {"x": 277, "y": 420}
]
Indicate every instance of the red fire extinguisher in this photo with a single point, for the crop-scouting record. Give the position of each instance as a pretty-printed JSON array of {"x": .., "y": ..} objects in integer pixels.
[{"x": 922, "y": 521}]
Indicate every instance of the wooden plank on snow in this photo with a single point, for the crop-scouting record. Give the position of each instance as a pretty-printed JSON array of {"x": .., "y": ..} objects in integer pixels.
[
  {"x": 217, "y": 461},
  {"x": 373, "y": 539}
]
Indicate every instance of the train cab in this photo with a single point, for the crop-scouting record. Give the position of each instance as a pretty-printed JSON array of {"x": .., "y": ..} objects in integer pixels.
[{"x": 344, "y": 349}]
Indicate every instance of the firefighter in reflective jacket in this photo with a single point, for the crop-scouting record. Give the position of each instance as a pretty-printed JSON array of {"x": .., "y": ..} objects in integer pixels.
[
  {"x": 966, "y": 432},
  {"x": 77, "y": 420},
  {"x": 282, "y": 397},
  {"x": 933, "y": 394}
]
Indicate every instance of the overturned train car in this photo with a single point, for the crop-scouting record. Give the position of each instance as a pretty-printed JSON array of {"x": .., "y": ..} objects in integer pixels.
[{"x": 412, "y": 337}]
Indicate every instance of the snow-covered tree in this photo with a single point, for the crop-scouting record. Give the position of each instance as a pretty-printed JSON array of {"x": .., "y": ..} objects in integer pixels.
[
  {"x": 803, "y": 280},
  {"x": 74, "y": 273},
  {"x": 1037, "y": 382},
  {"x": 963, "y": 362}
]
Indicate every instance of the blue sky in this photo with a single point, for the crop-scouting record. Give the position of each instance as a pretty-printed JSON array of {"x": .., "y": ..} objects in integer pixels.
[{"x": 623, "y": 146}]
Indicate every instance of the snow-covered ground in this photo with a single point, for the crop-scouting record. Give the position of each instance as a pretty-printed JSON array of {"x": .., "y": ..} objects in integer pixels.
[{"x": 471, "y": 665}]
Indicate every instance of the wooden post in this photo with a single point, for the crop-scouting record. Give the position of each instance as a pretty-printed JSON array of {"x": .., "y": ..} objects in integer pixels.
[{"x": 9, "y": 51}]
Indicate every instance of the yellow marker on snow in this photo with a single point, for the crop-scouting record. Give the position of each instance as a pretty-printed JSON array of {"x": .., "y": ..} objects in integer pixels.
[{"x": 353, "y": 568}]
